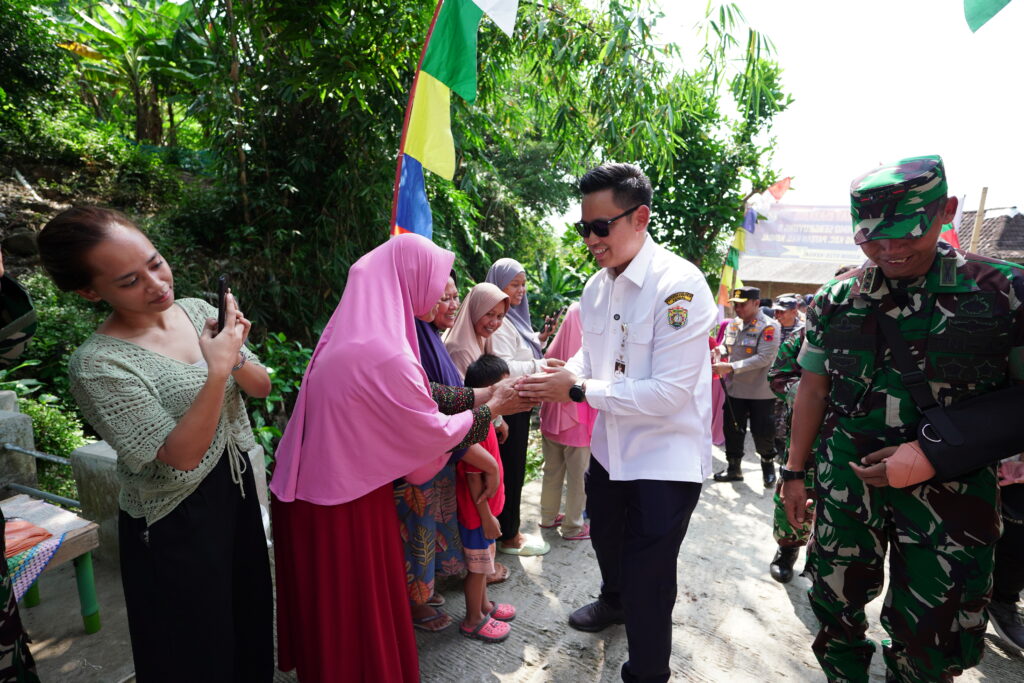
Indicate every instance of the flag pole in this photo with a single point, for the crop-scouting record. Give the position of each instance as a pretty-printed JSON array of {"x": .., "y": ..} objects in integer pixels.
[
  {"x": 978, "y": 220},
  {"x": 408, "y": 114}
]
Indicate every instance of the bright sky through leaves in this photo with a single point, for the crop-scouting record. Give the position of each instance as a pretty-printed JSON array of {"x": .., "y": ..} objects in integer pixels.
[{"x": 879, "y": 80}]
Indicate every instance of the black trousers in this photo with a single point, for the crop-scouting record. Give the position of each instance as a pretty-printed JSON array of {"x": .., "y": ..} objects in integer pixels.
[
  {"x": 636, "y": 528},
  {"x": 1008, "y": 576},
  {"x": 197, "y": 587},
  {"x": 513, "y": 461},
  {"x": 762, "y": 426}
]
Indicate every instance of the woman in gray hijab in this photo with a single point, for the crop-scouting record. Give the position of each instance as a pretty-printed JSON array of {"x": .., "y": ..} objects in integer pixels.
[{"x": 520, "y": 347}]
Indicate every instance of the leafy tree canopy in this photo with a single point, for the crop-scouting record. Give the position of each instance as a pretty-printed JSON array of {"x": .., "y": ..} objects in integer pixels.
[{"x": 299, "y": 107}]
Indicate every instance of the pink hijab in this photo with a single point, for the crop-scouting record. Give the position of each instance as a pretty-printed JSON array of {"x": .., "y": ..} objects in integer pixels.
[
  {"x": 567, "y": 422},
  {"x": 364, "y": 415}
]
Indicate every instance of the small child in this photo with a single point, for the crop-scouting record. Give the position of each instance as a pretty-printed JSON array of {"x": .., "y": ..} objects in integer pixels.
[{"x": 478, "y": 523}]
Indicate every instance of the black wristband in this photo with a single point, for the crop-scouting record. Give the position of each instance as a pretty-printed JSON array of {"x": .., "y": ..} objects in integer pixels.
[{"x": 791, "y": 475}]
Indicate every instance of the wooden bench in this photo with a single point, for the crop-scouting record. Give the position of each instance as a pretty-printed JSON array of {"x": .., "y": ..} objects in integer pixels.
[{"x": 81, "y": 537}]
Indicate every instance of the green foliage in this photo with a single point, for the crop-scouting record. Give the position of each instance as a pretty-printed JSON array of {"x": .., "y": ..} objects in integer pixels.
[
  {"x": 21, "y": 386},
  {"x": 58, "y": 432},
  {"x": 553, "y": 285},
  {"x": 65, "y": 320},
  {"x": 699, "y": 199},
  {"x": 136, "y": 57},
  {"x": 32, "y": 68},
  {"x": 286, "y": 363},
  {"x": 534, "y": 455},
  {"x": 295, "y": 111}
]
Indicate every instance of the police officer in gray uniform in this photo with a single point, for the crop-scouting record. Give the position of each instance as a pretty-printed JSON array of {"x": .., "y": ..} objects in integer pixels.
[{"x": 751, "y": 342}]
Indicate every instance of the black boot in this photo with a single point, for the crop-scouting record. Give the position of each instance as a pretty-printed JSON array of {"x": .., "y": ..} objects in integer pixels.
[
  {"x": 781, "y": 567},
  {"x": 732, "y": 472},
  {"x": 768, "y": 472}
]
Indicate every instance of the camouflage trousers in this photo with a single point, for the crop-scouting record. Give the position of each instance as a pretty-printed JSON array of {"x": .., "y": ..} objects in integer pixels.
[
  {"x": 940, "y": 539},
  {"x": 786, "y": 535},
  {"x": 780, "y": 415}
]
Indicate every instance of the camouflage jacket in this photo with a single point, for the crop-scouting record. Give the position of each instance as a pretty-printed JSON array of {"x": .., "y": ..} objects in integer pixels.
[
  {"x": 963, "y": 322},
  {"x": 784, "y": 377}
]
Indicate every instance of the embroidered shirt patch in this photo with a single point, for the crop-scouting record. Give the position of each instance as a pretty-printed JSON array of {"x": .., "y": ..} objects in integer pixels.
[
  {"x": 677, "y": 316},
  {"x": 679, "y": 296},
  {"x": 769, "y": 334}
]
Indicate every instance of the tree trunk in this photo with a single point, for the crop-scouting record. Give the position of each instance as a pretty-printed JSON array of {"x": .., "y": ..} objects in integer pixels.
[
  {"x": 154, "y": 123},
  {"x": 172, "y": 129},
  {"x": 236, "y": 100}
]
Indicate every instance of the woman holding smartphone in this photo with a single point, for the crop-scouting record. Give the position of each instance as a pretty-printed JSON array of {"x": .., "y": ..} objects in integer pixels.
[{"x": 164, "y": 388}]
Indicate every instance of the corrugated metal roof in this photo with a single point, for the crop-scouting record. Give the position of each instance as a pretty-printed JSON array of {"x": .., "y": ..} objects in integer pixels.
[{"x": 1001, "y": 236}]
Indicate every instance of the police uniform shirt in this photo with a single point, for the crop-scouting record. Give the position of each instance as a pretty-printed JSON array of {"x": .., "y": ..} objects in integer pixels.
[
  {"x": 752, "y": 350},
  {"x": 646, "y": 365}
]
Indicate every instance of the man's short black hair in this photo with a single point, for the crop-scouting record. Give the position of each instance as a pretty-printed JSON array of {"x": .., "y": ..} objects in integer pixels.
[
  {"x": 629, "y": 185},
  {"x": 486, "y": 370}
]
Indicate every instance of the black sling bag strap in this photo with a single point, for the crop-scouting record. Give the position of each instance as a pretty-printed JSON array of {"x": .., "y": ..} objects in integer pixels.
[
  {"x": 968, "y": 435},
  {"x": 916, "y": 382}
]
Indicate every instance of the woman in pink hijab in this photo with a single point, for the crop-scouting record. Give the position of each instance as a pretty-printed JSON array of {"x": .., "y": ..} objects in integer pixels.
[
  {"x": 566, "y": 430},
  {"x": 364, "y": 417}
]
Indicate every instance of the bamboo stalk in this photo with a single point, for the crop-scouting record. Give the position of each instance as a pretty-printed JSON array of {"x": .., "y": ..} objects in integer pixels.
[{"x": 978, "y": 220}]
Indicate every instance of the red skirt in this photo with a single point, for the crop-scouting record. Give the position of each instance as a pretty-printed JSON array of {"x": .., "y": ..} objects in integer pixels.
[{"x": 342, "y": 609}]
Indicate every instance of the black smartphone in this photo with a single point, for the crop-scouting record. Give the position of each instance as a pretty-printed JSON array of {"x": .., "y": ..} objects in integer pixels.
[{"x": 222, "y": 293}]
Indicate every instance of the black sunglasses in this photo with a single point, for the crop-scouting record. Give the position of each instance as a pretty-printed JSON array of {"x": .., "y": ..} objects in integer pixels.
[{"x": 600, "y": 227}]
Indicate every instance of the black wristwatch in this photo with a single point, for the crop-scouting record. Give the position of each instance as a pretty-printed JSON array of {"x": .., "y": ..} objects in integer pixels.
[
  {"x": 789, "y": 475},
  {"x": 577, "y": 393}
]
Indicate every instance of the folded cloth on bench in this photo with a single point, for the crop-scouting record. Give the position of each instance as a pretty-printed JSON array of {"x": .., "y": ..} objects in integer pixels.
[
  {"x": 20, "y": 535},
  {"x": 25, "y": 567}
]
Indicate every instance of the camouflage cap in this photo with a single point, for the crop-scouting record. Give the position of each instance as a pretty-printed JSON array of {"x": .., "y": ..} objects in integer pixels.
[{"x": 897, "y": 200}]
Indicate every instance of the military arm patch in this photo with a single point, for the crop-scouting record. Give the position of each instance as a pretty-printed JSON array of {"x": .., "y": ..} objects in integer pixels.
[
  {"x": 677, "y": 316},
  {"x": 679, "y": 296}
]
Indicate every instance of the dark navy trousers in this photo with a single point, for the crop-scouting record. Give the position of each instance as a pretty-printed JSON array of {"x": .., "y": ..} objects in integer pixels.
[{"x": 636, "y": 528}]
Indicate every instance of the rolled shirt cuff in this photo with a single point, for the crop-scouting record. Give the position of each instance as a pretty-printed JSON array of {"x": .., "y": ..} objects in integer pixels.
[{"x": 597, "y": 393}]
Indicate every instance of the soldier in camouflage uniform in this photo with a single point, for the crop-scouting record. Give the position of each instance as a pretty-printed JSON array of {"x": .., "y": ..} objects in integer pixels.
[
  {"x": 784, "y": 378},
  {"x": 787, "y": 314},
  {"x": 962, "y": 317}
]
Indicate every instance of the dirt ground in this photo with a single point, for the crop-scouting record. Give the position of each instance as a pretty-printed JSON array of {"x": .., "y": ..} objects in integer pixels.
[{"x": 732, "y": 622}]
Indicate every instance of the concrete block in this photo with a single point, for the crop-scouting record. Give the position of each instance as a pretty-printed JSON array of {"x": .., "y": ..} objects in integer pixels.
[
  {"x": 16, "y": 429},
  {"x": 9, "y": 401},
  {"x": 95, "y": 469}
]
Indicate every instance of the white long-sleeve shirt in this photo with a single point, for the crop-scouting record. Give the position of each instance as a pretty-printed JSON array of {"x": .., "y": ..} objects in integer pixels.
[
  {"x": 509, "y": 345},
  {"x": 653, "y": 320}
]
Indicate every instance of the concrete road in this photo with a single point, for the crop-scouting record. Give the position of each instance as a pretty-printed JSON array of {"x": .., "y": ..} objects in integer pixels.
[{"x": 732, "y": 622}]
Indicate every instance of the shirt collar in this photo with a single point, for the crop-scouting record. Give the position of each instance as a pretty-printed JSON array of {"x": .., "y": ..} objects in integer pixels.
[
  {"x": 637, "y": 269},
  {"x": 945, "y": 275}
]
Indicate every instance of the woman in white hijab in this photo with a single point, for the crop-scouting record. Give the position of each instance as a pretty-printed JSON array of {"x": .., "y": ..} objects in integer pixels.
[{"x": 520, "y": 347}]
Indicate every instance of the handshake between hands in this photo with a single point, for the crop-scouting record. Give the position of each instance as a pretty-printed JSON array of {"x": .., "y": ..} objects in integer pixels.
[{"x": 518, "y": 394}]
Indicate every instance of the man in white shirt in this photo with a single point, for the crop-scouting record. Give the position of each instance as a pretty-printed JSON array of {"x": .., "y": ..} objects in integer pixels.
[{"x": 645, "y": 366}]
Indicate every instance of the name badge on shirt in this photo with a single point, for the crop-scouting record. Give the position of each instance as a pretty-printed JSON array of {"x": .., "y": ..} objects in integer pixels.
[{"x": 620, "y": 357}]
